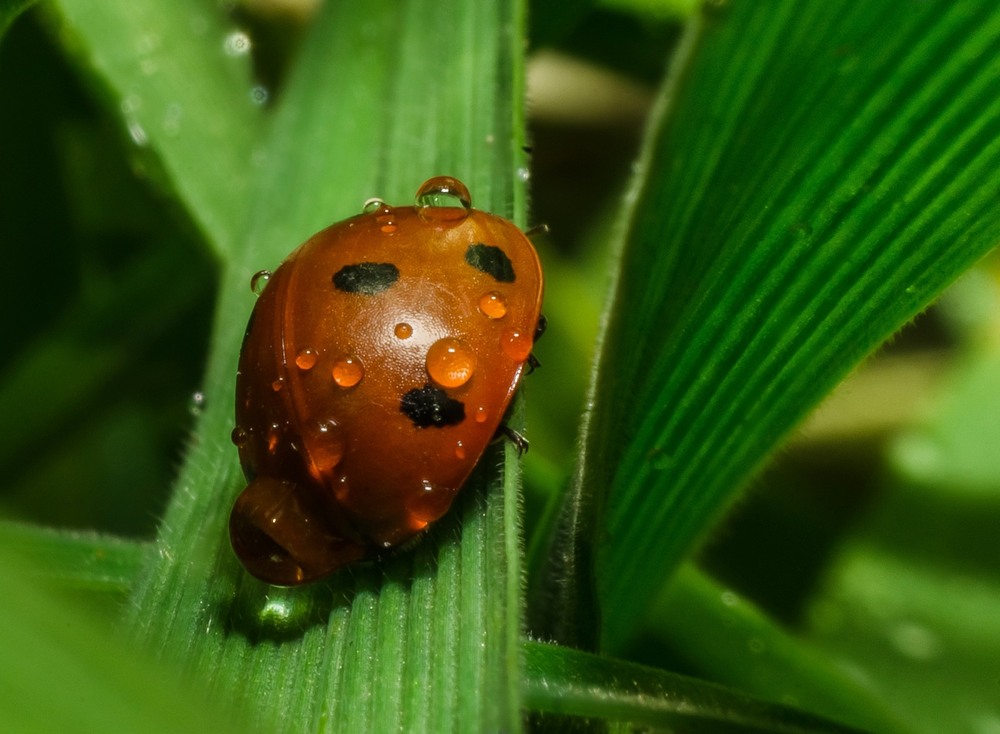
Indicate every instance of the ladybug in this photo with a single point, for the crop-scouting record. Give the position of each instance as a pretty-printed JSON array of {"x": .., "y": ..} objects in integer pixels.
[{"x": 377, "y": 365}]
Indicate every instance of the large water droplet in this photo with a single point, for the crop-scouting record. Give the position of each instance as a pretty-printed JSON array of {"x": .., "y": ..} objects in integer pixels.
[
  {"x": 443, "y": 198},
  {"x": 372, "y": 205},
  {"x": 403, "y": 330},
  {"x": 305, "y": 360},
  {"x": 516, "y": 344},
  {"x": 450, "y": 362},
  {"x": 348, "y": 371},
  {"x": 493, "y": 305},
  {"x": 259, "y": 280}
]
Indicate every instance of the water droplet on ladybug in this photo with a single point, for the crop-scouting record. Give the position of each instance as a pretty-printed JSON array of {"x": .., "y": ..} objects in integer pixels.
[
  {"x": 385, "y": 217},
  {"x": 274, "y": 434},
  {"x": 459, "y": 450},
  {"x": 450, "y": 362},
  {"x": 305, "y": 360},
  {"x": 427, "y": 504},
  {"x": 481, "y": 414},
  {"x": 278, "y": 384},
  {"x": 326, "y": 448},
  {"x": 348, "y": 371},
  {"x": 372, "y": 205},
  {"x": 259, "y": 280},
  {"x": 443, "y": 199},
  {"x": 493, "y": 305},
  {"x": 239, "y": 436},
  {"x": 516, "y": 344},
  {"x": 403, "y": 330}
]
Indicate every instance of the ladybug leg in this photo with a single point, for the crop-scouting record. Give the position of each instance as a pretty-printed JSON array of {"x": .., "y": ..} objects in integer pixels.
[
  {"x": 533, "y": 362},
  {"x": 519, "y": 441}
]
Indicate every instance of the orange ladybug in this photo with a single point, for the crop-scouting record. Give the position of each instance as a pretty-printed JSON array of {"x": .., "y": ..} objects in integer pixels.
[{"x": 376, "y": 367}]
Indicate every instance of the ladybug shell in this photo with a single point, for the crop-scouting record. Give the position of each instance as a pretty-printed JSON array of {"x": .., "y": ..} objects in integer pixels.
[{"x": 377, "y": 365}]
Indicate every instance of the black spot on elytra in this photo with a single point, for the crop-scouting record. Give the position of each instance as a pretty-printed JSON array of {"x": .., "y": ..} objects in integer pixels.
[
  {"x": 366, "y": 279},
  {"x": 491, "y": 260},
  {"x": 430, "y": 406}
]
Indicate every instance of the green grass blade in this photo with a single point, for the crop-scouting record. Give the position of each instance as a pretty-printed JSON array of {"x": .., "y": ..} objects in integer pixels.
[
  {"x": 560, "y": 680},
  {"x": 811, "y": 185},
  {"x": 77, "y": 560},
  {"x": 429, "y": 641},
  {"x": 724, "y": 637},
  {"x": 64, "y": 671}
]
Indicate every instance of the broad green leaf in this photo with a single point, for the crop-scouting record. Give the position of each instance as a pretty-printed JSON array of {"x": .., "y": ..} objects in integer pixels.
[
  {"x": 723, "y": 636},
  {"x": 816, "y": 174},
  {"x": 427, "y": 640},
  {"x": 63, "y": 671},
  {"x": 178, "y": 77},
  {"x": 76, "y": 560},
  {"x": 560, "y": 680}
]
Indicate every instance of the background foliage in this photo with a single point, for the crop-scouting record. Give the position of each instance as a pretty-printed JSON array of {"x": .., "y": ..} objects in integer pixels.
[{"x": 809, "y": 177}]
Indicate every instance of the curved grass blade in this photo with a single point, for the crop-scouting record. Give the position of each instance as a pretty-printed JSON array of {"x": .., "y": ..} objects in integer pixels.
[{"x": 812, "y": 184}]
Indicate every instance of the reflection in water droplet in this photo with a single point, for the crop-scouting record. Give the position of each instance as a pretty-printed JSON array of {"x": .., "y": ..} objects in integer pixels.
[
  {"x": 372, "y": 205},
  {"x": 273, "y": 437},
  {"x": 481, "y": 414},
  {"x": 325, "y": 448},
  {"x": 306, "y": 359},
  {"x": 259, "y": 280},
  {"x": 516, "y": 344},
  {"x": 237, "y": 43},
  {"x": 450, "y": 362},
  {"x": 493, "y": 305},
  {"x": 348, "y": 371},
  {"x": 386, "y": 219},
  {"x": 278, "y": 384},
  {"x": 239, "y": 437},
  {"x": 443, "y": 198},
  {"x": 403, "y": 331}
]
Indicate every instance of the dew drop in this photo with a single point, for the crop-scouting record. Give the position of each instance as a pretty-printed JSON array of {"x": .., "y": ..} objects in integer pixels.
[
  {"x": 273, "y": 437},
  {"x": 259, "y": 280},
  {"x": 237, "y": 43},
  {"x": 482, "y": 414},
  {"x": 239, "y": 437},
  {"x": 516, "y": 344},
  {"x": 493, "y": 305},
  {"x": 306, "y": 359},
  {"x": 372, "y": 205},
  {"x": 278, "y": 384},
  {"x": 450, "y": 362},
  {"x": 403, "y": 330},
  {"x": 427, "y": 504},
  {"x": 385, "y": 215},
  {"x": 259, "y": 95},
  {"x": 442, "y": 199},
  {"x": 197, "y": 403},
  {"x": 523, "y": 173},
  {"x": 459, "y": 450},
  {"x": 348, "y": 371},
  {"x": 326, "y": 449}
]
